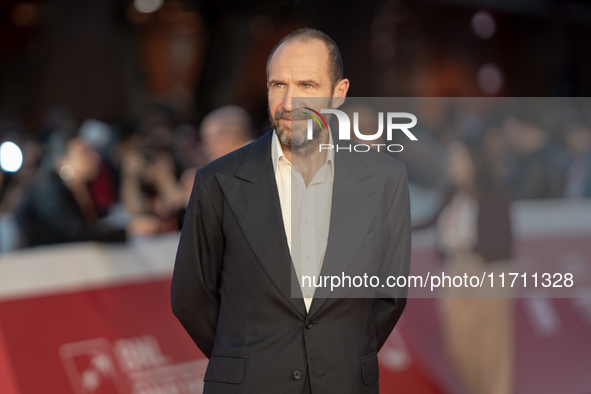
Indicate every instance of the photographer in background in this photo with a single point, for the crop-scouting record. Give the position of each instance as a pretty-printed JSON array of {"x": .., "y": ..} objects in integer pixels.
[
  {"x": 57, "y": 206},
  {"x": 150, "y": 191}
]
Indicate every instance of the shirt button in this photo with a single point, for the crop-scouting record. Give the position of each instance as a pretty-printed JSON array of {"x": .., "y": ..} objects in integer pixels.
[
  {"x": 306, "y": 221},
  {"x": 297, "y": 375},
  {"x": 309, "y": 324},
  {"x": 307, "y": 257}
]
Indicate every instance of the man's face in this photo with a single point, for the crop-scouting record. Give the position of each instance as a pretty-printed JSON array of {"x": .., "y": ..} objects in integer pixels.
[{"x": 297, "y": 69}]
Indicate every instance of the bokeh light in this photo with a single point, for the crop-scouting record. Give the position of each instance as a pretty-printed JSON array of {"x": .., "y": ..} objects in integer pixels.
[
  {"x": 484, "y": 25},
  {"x": 148, "y": 6},
  {"x": 24, "y": 14},
  {"x": 490, "y": 79},
  {"x": 11, "y": 157}
]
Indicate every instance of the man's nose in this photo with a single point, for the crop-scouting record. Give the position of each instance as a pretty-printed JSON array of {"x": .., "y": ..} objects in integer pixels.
[{"x": 287, "y": 98}]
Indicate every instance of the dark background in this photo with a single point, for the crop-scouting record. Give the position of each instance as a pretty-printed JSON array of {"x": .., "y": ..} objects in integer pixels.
[{"x": 105, "y": 60}]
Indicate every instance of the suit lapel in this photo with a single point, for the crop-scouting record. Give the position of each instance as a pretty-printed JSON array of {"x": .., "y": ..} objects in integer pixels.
[
  {"x": 253, "y": 197},
  {"x": 354, "y": 202}
]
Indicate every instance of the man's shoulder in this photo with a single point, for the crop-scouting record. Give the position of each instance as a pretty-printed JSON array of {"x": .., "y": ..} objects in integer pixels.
[{"x": 378, "y": 162}]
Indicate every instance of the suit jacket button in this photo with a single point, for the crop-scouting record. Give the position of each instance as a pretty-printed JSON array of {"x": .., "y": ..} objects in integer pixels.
[
  {"x": 309, "y": 324},
  {"x": 297, "y": 375}
]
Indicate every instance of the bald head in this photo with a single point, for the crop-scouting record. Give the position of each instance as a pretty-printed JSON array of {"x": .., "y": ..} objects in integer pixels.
[
  {"x": 224, "y": 130},
  {"x": 335, "y": 62}
]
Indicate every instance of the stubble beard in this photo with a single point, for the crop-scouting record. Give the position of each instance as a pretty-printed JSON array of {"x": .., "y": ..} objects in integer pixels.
[{"x": 297, "y": 139}]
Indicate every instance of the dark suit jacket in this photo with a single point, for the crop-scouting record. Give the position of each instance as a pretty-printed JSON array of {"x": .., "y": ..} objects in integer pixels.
[{"x": 233, "y": 275}]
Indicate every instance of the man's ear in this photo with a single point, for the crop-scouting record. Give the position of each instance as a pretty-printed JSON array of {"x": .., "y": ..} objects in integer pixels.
[{"x": 340, "y": 92}]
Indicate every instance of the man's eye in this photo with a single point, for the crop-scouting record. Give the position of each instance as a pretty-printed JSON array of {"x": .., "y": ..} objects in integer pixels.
[
  {"x": 278, "y": 85},
  {"x": 307, "y": 86}
]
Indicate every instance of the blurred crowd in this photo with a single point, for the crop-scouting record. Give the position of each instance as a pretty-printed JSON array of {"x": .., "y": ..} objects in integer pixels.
[
  {"x": 106, "y": 181},
  {"x": 99, "y": 181},
  {"x": 537, "y": 148}
]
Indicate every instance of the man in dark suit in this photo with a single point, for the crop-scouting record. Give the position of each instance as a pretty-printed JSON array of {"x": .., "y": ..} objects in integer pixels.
[{"x": 237, "y": 266}]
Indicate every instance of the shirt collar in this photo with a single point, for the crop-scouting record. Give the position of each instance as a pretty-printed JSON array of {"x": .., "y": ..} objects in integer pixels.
[{"x": 277, "y": 152}]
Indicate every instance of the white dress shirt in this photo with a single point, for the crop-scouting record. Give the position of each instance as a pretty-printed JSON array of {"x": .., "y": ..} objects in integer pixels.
[{"x": 306, "y": 213}]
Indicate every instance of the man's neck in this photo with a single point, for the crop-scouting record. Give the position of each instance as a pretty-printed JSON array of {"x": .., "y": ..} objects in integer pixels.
[{"x": 308, "y": 159}]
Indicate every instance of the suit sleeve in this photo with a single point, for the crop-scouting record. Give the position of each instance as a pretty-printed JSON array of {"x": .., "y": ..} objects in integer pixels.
[
  {"x": 388, "y": 307},
  {"x": 196, "y": 278}
]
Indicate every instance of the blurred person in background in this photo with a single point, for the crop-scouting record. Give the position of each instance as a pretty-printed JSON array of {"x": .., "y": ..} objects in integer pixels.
[
  {"x": 577, "y": 140},
  {"x": 150, "y": 191},
  {"x": 148, "y": 186},
  {"x": 474, "y": 235},
  {"x": 222, "y": 131},
  {"x": 58, "y": 127},
  {"x": 534, "y": 173},
  {"x": 186, "y": 147},
  {"x": 101, "y": 137},
  {"x": 57, "y": 206},
  {"x": 225, "y": 130}
]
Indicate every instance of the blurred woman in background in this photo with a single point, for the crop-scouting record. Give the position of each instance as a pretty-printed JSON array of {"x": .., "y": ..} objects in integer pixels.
[{"x": 474, "y": 236}]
